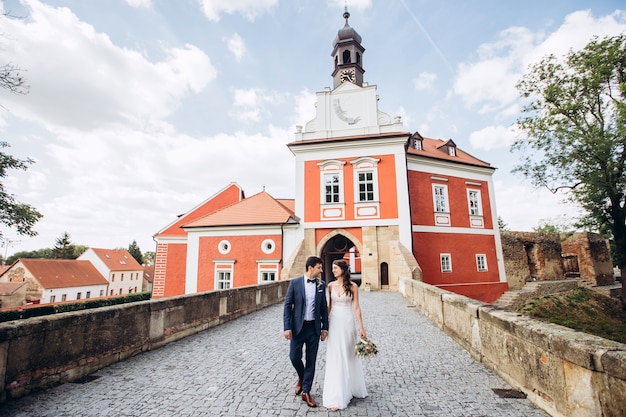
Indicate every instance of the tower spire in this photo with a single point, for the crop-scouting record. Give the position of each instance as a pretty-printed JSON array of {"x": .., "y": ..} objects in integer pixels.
[{"x": 347, "y": 54}]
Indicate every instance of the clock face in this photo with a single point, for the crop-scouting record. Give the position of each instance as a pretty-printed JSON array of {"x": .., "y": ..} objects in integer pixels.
[{"x": 347, "y": 75}]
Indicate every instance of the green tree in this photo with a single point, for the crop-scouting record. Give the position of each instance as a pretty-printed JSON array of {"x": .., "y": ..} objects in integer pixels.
[
  {"x": 135, "y": 252},
  {"x": 149, "y": 258},
  {"x": 575, "y": 123},
  {"x": 502, "y": 225},
  {"x": 13, "y": 213},
  {"x": 45, "y": 253},
  {"x": 64, "y": 248}
]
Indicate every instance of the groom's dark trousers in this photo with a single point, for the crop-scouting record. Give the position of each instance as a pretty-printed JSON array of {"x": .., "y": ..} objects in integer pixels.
[{"x": 310, "y": 337}]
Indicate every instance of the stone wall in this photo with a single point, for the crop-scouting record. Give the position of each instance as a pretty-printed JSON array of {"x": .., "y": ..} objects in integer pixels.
[
  {"x": 41, "y": 352},
  {"x": 531, "y": 257},
  {"x": 565, "y": 372},
  {"x": 594, "y": 257}
]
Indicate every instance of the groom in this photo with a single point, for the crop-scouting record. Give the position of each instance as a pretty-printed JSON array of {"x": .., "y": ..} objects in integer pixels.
[{"x": 305, "y": 320}]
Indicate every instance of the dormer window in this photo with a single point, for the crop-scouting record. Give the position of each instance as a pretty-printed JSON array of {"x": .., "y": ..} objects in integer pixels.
[
  {"x": 451, "y": 151},
  {"x": 449, "y": 147},
  {"x": 417, "y": 141}
]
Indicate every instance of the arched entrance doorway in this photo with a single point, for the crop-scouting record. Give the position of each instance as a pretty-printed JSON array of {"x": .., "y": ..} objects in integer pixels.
[{"x": 340, "y": 247}]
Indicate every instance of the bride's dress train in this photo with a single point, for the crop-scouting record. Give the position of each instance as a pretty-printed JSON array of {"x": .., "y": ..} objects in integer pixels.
[{"x": 343, "y": 378}]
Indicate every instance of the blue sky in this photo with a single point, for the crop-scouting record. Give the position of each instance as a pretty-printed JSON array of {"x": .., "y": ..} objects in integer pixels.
[{"x": 139, "y": 110}]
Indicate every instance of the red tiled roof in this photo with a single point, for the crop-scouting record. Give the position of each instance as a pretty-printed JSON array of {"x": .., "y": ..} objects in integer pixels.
[
  {"x": 8, "y": 288},
  {"x": 62, "y": 273},
  {"x": 148, "y": 273},
  {"x": 259, "y": 209},
  {"x": 227, "y": 196},
  {"x": 117, "y": 259},
  {"x": 435, "y": 148},
  {"x": 290, "y": 204}
]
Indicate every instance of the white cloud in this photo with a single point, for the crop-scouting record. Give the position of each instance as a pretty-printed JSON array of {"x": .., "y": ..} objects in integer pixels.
[
  {"x": 236, "y": 46},
  {"x": 493, "y": 137},
  {"x": 250, "y": 9},
  {"x": 522, "y": 207},
  {"x": 146, "y": 4},
  {"x": 424, "y": 81},
  {"x": 251, "y": 104},
  {"x": 489, "y": 81},
  {"x": 304, "y": 107},
  {"x": 79, "y": 78}
]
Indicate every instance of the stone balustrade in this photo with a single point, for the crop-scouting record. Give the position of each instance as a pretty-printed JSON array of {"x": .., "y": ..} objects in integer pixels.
[
  {"x": 563, "y": 371},
  {"x": 42, "y": 352}
]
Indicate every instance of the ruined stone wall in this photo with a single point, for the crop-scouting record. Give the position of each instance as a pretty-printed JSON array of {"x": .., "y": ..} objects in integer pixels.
[
  {"x": 531, "y": 257},
  {"x": 594, "y": 257}
]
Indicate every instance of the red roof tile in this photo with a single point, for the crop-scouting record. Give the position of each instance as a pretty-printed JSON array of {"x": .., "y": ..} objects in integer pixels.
[
  {"x": 8, "y": 288},
  {"x": 225, "y": 197},
  {"x": 259, "y": 209},
  {"x": 435, "y": 148},
  {"x": 118, "y": 259},
  {"x": 62, "y": 273}
]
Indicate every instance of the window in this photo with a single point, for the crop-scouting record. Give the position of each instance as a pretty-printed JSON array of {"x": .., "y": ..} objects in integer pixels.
[
  {"x": 366, "y": 186},
  {"x": 332, "y": 188},
  {"x": 101, "y": 293},
  {"x": 78, "y": 295},
  {"x": 441, "y": 198},
  {"x": 446, "y": 262},
  {"x": 268, "y": 276},
  {"x": 223, "y": 280},
  {"x": 475, "y": 206},
  {"x": 53, "y": 298},
  {"x": 111, "y": 292},
  {"x": 268, "y": 246},
  {"x": 63, "y": 297},
  {"x": 451, "y": 151},
  {"x": 122, "y": 277},
  {"x": 112, "y": 277},
  {"x": 417, "y": 144},
  {"x": 481, "y": 262},
  {"x": 88, "y": 294},
  {"x": 223, "y": 247}
]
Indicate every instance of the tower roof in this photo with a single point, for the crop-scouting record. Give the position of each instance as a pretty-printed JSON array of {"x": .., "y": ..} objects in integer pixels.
[{"x": 347, "y": 33}]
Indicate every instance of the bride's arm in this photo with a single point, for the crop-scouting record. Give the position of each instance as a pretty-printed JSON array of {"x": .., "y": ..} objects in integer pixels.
[
  {"x": 357, "y": 309},
  {"x": 329, "y": 299}
]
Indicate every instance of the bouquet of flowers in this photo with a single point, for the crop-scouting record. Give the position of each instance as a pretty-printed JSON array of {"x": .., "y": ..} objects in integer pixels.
[{"x": 365, "y": 348}]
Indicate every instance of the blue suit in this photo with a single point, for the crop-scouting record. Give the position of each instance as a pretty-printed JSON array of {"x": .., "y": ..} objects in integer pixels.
[{"x": 304, "y": 333}]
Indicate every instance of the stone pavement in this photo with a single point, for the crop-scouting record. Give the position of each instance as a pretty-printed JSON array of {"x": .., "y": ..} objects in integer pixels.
[{"x": 242, "y": 368}]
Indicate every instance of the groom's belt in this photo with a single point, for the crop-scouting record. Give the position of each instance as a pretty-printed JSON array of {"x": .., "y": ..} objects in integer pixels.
[{"x": 309, "y": 321}]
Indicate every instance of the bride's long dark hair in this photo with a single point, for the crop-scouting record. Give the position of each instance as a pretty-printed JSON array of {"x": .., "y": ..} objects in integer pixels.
[{"x": 345, "y": 271}]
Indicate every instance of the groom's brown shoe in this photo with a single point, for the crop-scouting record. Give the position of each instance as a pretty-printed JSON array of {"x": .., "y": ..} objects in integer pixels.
[
  {"x": 298, "y": 387},
  {"x": 309, "y": 400}
]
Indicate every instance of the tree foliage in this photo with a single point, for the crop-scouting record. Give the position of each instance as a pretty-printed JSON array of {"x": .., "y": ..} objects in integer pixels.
[
  {"x": 21, "y": 216},
  {"x": 575, "y": 123},
  {"x": 12, "y": 79},
  {"x": 64, "y": 248},
  {"x": 135, "y": 252}
]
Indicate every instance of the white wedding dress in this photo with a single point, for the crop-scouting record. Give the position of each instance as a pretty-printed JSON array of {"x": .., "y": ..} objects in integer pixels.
[{"x": 343, "y": 378}]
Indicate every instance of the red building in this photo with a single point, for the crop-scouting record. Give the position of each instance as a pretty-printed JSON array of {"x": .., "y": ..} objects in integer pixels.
[{"x": 392, "y": 202}]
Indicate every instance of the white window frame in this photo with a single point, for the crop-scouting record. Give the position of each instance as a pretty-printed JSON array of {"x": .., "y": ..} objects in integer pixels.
[
  {"x": 474, "y": 204},
  {"x": 445, "y": 260},
  {"x": 224, "y": 272},
  {"x": 223, "y": 279},
  {"x": 481, "y": 262},
  {"x": 330, "y": 168},
  {"x": 338, "y": 175},
  {"x": 443, "y": 196},
  {"x": 268, "y": 246},
  {"x": 451, "y": 150}
]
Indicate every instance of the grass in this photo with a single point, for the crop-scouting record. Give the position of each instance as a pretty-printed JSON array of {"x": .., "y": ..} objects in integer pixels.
[{"x": 581, "y": 309}]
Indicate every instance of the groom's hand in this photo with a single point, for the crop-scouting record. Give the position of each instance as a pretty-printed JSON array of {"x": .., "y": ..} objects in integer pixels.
[
  {"x": 324, "y": 335},
  {"x": 288, "y": 334}
]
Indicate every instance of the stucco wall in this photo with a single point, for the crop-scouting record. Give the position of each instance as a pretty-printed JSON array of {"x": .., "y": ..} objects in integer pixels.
[
  {"x": 565, "y": 372},
  {"x": 41, "y": 352}
]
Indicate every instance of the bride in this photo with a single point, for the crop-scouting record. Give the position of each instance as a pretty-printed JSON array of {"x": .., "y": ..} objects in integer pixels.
[{"x": 343, "y": 377}]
